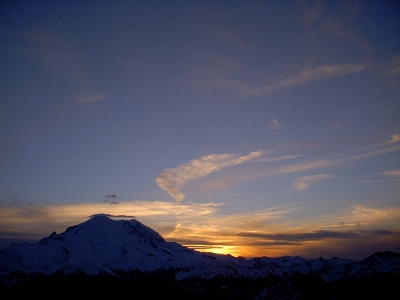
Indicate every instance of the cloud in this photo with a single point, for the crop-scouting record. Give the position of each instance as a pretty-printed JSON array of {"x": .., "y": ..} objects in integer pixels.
[
  {"x": 230, "y": 38},
  {"x": 55, "y": 51},
  {"x": 87, "y": 98},
  {"x": 172, "y": 180},
  {"x": 394, "y": 66},
  {"x": 204, "y": 226},
  {"x": 313, "y": 13},
  {"x": 303, "y": 183},
  {"x": 139, "y": 208},
  {"x": 394, "y": 173},
  {"x": 113, "y": 216},
  {"x": 308, "y": 75},
  {"x": 34, "y": 221},
  {"x": 246, "y": 175},
  {"x": 370, "y": 154},
  {"x": 311, "y": 236},
  {"x": 332, "y": 25},
  {"x": 242, "y": 89},
  {"x": 395, "y": 138},
  {"x": 356, "y": 217},
  {"x": 110, "y": 196},
  {"x": 110, "y": 202},
  {"x": 279, "y": 158},
  {"x": 275, "y": 232},
  {"x": 390, "y": 71},
  {"x": 274, "y": 124},
  {"x": 335, "y": 23}
]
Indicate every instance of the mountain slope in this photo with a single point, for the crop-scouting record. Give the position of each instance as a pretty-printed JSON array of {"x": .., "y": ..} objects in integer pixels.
[{"x": 99, "y": 244}]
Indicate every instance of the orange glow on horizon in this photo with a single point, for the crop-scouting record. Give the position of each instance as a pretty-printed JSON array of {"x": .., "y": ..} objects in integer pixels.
[{"x": 270, "y": 233}]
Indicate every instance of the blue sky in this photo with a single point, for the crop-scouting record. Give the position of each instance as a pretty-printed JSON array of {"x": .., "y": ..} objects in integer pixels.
[{"x": 252, "y": 128}]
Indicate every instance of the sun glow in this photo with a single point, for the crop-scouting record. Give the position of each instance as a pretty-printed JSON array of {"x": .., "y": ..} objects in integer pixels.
[{"x": 218, "y": 249}]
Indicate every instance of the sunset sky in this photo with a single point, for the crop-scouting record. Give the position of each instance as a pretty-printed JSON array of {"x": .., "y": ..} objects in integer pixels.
[{"x": 255, "y": 128}]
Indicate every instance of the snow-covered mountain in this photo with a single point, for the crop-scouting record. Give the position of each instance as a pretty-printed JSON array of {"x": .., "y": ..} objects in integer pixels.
[{"x": 105, "y": 246}]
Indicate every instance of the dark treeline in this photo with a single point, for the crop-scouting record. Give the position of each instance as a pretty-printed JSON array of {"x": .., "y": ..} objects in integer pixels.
[{"x": 163, "y": 285}]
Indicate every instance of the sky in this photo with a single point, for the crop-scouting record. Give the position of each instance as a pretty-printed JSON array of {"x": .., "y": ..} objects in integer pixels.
[{"x": 250, "y": 128}]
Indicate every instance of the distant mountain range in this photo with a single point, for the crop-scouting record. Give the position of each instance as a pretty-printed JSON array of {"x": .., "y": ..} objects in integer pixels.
[{"x": 117, "y": 255}]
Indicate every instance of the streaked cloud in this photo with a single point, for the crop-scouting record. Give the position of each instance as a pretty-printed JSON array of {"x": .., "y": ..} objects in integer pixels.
[
  {"x": 393, "y": 173},
  {"x": 64, "y": 56},
  {"x": 319, "y": 19},
  {"x": 205, "y": 226},
  {"x": 305, "y": 76},
  {"x": 172, "y": 180},
  {"x": 311, "y": 236},
  {"x": 303, "y": 183},
  {"x": 319, "y": 22},
  {"x": 37, "y": 221},
  {"x": 56, "y": 51},
  {"x": 265, "y": 171},
  {"x": 395, "y": 138},
  {"x": 274, "y": 232},
  {"x": 394, "y": 66},
  {"x": 308, "y": 75},
  {"x": 28, "y": 213},
  {"x": 87, "y": 98},
  {"x": 279, "y": 158}
]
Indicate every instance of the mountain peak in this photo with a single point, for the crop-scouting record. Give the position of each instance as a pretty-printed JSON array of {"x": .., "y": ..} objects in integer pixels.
[
  {"x": 102, "y": 244},
  {"x": 99, "y": 241},
  {"x": 100, "y": 228}
]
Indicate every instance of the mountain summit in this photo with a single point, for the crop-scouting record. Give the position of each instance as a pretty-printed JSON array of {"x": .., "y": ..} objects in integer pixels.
[{"x": 106, "y": 247}]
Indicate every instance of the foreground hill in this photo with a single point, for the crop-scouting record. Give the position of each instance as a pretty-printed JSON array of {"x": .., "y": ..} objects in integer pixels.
[{"x": 108, "y": 256}]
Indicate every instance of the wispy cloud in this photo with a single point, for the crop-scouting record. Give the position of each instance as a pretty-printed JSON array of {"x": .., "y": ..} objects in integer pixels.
[
  {"x": 303, "y": 183},
  {"x": 314, "y": 11},
  {"x": 64, "y": 56},
  {"x": 389, "y": 71},
  {"x": 305, "y": 76},
  {"x": 308, "y": 75},
  {"x": 395, "y": 138},
  {"x": 60, "y": 53},
  {"x": 274, "y": 124},
  {"x": 229, "y": 38},
  {"x": 340, "y": 24},
  {"x": 172, "y": 180},
  {"x": 87, "y": 98},
  {"x": 264, "y": 171}
]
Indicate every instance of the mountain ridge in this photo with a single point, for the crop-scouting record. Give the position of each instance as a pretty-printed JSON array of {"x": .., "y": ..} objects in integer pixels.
[{"x": 101, "y": 245}]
